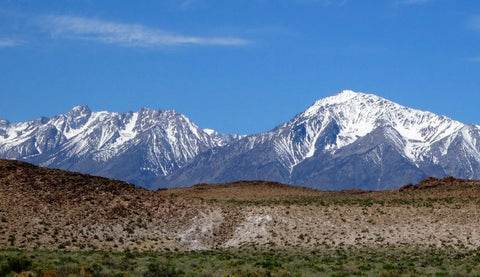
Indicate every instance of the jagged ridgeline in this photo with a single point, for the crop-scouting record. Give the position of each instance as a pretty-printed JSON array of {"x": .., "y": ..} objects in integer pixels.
[{"x": 349, "y": 140}]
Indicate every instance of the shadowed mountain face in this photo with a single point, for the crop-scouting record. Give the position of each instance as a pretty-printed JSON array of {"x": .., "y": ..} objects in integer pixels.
[{"x": 349, "y": 140}]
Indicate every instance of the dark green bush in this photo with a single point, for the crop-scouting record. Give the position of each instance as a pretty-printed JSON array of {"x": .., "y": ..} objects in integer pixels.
[
  {"x": 160, "y": 270},
  {"x": 15, "y": 264}
]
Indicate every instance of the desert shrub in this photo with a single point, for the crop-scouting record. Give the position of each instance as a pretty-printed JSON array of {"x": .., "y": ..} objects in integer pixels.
[
  {"x": 365, "y": 266},
  {"x": 95, "y": 269},
  {"x": 49, "y": 274},
  {"x": 12, "y": 240},
  {"x": 388, "y": 266},
  {"x": 269, "y": 263},
  {"x": 389, "y": 273},
  {"x": 159, "y": 270},
  {"x": 15, "y": 264},
  {"x": 248, "y": 274},
  {"x": 127, "y": 264},
  {"x": 121, "y": 274}
]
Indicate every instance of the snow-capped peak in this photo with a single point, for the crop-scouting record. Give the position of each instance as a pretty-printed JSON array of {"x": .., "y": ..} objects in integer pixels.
[
  {"x": 343, "y": 95},
  {"x": 79, "y": 112},
  {"x": 222, "y": 139},
  {"x": 165, "y": 139},
  {"x": 339, "y": 98},
  {"x": 80, "y": 109},
  {"x": 210, "y": 131},
  {"x": 354, "y": 115},
  {"x": 357, "y": 114},
  {"x": 355, "y": 127}
]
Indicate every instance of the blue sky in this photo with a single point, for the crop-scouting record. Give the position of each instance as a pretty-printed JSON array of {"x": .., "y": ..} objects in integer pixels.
[{"x": 237, "y": 66}]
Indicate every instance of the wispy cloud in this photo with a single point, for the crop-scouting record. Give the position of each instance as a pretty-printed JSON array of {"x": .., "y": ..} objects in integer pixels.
[
  {"x": 130, "y": 35},
  {"x": 8, "y": 42}
]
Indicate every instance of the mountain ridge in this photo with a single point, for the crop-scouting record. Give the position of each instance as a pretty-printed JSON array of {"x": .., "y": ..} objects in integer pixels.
[
  {"x": 165, "y": 139},
  {"x": 348, "y": 140}
]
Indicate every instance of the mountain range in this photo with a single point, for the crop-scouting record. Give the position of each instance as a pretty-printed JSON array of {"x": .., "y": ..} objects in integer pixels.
[{"x": 349, "y": 140}]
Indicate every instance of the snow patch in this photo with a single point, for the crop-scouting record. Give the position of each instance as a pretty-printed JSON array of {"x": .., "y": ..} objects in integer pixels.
[
  {"x": 210, "y": 132},
  {"x": 128, "y": 133}
]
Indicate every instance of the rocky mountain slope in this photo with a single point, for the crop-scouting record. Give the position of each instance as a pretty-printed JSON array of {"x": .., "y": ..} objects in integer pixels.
[
  {"x": 349, "y": 140},
  {"x": 53, "y": 209},
  {"x": 133, "y": 146}
]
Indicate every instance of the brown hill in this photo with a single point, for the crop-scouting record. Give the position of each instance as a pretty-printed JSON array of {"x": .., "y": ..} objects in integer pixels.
[
  {"x": 47, "y": 208},
  {"x": 244, "y": 190},
  {"x": 50, "y": 208}
]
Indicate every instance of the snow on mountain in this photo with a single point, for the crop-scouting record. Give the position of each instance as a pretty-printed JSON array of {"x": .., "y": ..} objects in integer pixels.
[
  {"x": 356, "y": 115},
  {"x": 349, "y": 140},
  {"x": 164, "y": 139},
  {"x": 222, "y": 139}
]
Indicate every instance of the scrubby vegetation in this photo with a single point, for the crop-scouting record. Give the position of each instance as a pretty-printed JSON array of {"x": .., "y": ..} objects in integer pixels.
[
  {"x": 247, "y": 262},
  {"x": 60, "y": 224}
]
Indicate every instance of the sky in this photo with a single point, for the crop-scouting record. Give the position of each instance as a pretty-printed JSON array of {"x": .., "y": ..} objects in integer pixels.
[{"x": 237, "y": 66}]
